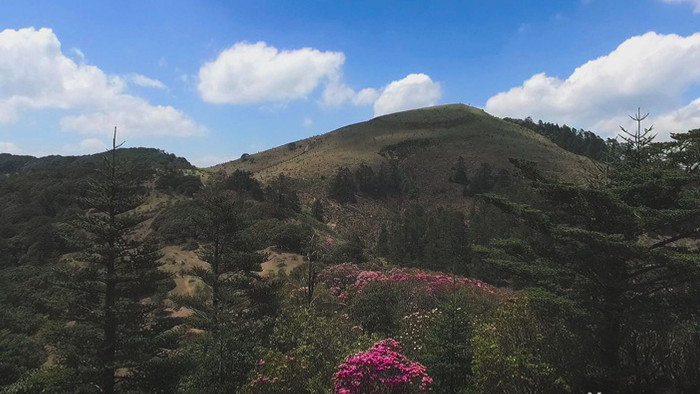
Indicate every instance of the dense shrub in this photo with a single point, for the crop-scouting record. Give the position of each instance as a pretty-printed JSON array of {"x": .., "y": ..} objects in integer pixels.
[
  {"x": 180, "y": 183},
  {"x": 381, "y": 369}
]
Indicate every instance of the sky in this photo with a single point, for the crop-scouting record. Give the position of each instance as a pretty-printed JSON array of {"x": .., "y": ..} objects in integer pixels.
[{"x": 211, "y": 80}]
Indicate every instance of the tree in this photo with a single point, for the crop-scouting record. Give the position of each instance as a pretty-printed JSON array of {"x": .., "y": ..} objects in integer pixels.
[
  {"x": 111, "y": 289},
  {"x": 342, "y": 186},
  {"x": 317, "y": 210},
  {"x": 635, "y": 142},
  {"x": 459, "y": 172},
  {"x": 611, "y": 249},
  {"x": 225, "y": 351},
  {"x": 282, "y": 198}
]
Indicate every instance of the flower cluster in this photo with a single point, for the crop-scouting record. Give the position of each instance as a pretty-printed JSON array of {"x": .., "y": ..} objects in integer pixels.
[
  {"x": 339, "y": 277},
  {"x": 381, "y": 369},
  {"x": 414, "y": 327},
  {"x": 345, "y": 279}
]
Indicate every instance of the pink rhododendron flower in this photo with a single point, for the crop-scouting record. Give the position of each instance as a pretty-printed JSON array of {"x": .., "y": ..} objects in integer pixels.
[{"x": 381, "y": 369}]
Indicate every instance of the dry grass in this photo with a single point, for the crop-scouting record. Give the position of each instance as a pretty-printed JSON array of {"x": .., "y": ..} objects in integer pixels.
[
  {"x": 179, "y": 262},
  {"x": 280, "y": 261},
  {"x": 450, "y": 131}
]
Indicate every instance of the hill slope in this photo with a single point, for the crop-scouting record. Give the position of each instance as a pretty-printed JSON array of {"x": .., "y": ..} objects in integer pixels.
[
  {"x": 426, "y": 143},
  {"x": 442, "y": 133}
]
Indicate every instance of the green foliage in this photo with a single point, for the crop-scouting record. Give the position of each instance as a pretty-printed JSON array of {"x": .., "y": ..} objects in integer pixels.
[
  {"x": 293, "y": 236},
  {"x": 236, "y": 317},
  {"x": 380, "y": 306},
  {"x": 317, "y": 210},
  {"x": 243, "y": 182},
  {"x": 432, "y": 240},
  {"x": 308, "y": 346},
  {"x": 281, "y": 198},
  {"x": 178, "y": 182},
  {"x": 176, "y": 223},
  {"x": 459, "y": 172},
  {"x": 446, "y": 347},
  {"x": 591, "y": 245},
  {"x": 18, "y": 354},
  {"x": 580, "y": 141},
  {"x": 342, "y": 186},
  {"x": 515, "y": 351},
  {"x": 101, "y": 290}
]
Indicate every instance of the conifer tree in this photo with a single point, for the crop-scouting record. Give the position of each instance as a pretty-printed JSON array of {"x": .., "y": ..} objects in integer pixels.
[
  {"x": 613, "y": 251},
  {"x": 224, "y": 352},
  {"x": 117, "y": 327}
]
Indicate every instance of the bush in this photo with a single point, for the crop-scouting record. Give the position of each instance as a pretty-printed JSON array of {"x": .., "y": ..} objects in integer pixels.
[
  {"x": 293, "y": 237},
  {"x": 342, "y": 186},
  {"x": 381, "y": 369}
]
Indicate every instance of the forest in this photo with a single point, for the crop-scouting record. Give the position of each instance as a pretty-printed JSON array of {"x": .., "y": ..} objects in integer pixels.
[{"x": 544, "y": 285}]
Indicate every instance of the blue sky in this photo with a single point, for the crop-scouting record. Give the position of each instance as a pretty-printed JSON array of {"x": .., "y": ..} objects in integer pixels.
[{"x": 210, "y": 80}]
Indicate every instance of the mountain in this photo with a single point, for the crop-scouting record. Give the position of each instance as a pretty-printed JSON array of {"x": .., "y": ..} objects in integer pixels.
[
  {"x": 439, "y": 134},
  {"x": 425, "y": 144}
]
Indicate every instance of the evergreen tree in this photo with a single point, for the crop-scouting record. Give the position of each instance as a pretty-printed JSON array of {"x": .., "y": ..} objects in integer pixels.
[
  {"x": 612, "y": 249},
  {"x": 117, "y": 327},
  {"x": 342, "y": 186},
  {"x": 282, "y": 198},
  {"x": 225, "y": 351},
  {"x": 459, "y": 172},
  {"x": 317, "y": 210}
]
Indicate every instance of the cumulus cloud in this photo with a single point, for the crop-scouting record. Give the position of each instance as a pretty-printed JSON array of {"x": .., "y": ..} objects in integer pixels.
[
  {"x": 35, "y": 74},
  {"x": 694, "y": 3},
  {"x": 653, "y": 71},
  {"x": 337, "y": 93},
  {"x": 262, "y": 74},
  {"x": 9, "y": 147},
  {"x": 258, "y": 73},
  {"x": 413, "y": 91}
]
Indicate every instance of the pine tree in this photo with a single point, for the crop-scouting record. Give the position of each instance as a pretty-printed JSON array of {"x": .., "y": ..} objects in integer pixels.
[
  {"x": 224, "y": 353},
  {"x": 117, "y": 326},
  {"x": 613, "y": 251},
  {"x": 282, "y": 198},
  {"x": 317, "y": 210},
  {"x": 342, "y": 186}
]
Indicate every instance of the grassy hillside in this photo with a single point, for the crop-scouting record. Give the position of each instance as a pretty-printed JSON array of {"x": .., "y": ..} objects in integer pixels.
[
  {"x": 425, "y": 143},
  {"x": 442, "y": 134}
]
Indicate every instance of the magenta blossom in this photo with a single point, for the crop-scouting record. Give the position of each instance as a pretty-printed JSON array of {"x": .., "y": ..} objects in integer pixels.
[{"x": 381, "y": 370}]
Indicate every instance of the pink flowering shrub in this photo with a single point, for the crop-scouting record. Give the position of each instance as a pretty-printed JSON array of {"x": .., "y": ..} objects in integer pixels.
[
  {"x": 381, "y": 370},
  {"x": 346, "y": 279},
  {"x": 434, "y": 283},
  {"x": 339, "y": 277}
]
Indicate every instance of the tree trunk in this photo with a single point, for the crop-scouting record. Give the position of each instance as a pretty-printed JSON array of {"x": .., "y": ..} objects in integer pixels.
[{"x": 110, "y": 330}]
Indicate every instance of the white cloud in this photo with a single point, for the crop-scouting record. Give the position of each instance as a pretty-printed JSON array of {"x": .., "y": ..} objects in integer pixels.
[
  {"x": 144, "y": 81},
  {"x": 694, "y": 3},
  {"x": 9, "y": 147},
  {"x": 337, "y": 93},
  {"x": 652, "y": 71},
  {"x": 134, "y": 116},
  {"x": 36, "y": 75},
  {"x": 414, "y": 91},
  {"x": 261, "y": 74},
  {"x": 85, "y": 147},
  {"x": 307, "y": 122},
  {"x": 679, "y": 120},
  {"x": 258, "y": 73}
]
